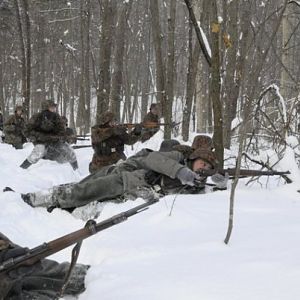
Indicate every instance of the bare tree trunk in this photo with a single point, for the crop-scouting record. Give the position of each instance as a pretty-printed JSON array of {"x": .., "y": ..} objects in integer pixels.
[
  {"x": 160, "y": 69},
  {"x": 189, "y": 89},
  {"x": 22, "y": 48},
  {"x": 103, "y": 90},
  {"x": 194, "y": 56},
  {"x": 170, "y": 69},
  {"x": 117, "y": 76},
  {"x": 87, "y": 120},
  {"x": 231, "y": 82},
  {"x": 28, "y": 59},
  {"x": 216, "y": 85}
]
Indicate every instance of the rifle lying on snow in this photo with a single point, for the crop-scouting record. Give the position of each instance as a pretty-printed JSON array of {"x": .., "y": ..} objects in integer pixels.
[
  {"x": 44, "y": 250},
  {"x": 242, "y": 172}
]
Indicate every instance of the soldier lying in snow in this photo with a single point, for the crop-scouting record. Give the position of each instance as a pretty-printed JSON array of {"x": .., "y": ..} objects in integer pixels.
[
  {"x": 46, "y": 130},
  {"x": 170, "y": 171},
  {"x": 39, "y": 281}
]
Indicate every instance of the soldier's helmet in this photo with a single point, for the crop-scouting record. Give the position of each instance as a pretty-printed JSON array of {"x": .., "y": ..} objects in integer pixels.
[
  {"x": 47, "y": 104},
  {"x": 203, "y": 141},
  {"x": 107, "y": 117},
  {"x": 206, "y": 155},
  {"x": 19, "y": 107},
  {"x": 153, "y": 106},
  {"x": 203, "y": 146},
  {"x": 167, "y": 145}
]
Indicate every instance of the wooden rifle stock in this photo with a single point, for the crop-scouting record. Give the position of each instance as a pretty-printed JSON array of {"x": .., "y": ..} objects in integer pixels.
[{"x": 46, "y": 249}]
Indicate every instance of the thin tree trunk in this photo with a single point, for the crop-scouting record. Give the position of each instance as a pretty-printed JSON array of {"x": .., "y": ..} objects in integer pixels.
[
  {"x": 160, "y": 69},
  {"x": 215, "y": 87},
  {"x": 117, "y": 77},
  {"x": 170, "y": 69}
]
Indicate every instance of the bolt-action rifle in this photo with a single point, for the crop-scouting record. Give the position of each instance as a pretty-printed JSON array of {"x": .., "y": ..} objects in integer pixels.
[
  {"x": 242, "y": 172},
  {"x": 46, "y": 249},
  {"x": 148, "y": 124}
]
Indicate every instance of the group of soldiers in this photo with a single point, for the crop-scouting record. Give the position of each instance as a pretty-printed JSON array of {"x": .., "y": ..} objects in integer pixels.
[
  {"x": 51, "y": 136},
  {"x": 174, "y": 168}
]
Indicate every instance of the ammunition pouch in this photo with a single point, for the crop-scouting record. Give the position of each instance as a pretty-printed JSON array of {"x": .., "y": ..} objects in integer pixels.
[{"x": 106, "y": 150}]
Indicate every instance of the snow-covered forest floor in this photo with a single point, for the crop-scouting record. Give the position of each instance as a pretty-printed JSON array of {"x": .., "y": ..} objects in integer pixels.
[{"x": 154, "y": 256}]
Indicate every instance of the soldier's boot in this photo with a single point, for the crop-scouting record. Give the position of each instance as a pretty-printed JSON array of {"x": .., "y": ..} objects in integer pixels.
[
  {"x": 25, "y": 164},
  {"x": 74, "y": 165},
  {"x": 8, "y": 189},
  {"x": 40, "y": 199}
]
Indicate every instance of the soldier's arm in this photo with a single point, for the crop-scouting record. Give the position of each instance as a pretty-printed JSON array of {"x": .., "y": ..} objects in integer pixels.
[
  {"x": 101, "y": 134},
  {"x": 167, "y": 163},
  {"x": 9, "y": 125}
]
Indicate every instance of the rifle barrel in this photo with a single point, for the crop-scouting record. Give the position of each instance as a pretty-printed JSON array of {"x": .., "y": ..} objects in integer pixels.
[{"x": 242, "y": 172}]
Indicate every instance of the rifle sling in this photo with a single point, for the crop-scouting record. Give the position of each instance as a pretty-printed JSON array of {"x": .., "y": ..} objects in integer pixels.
[{"x": 75, "y": 254}]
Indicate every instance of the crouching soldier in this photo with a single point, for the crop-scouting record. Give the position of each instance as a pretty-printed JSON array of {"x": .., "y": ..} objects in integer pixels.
[
  {"x": 108, "y": 140},
  {"x": 46, "y": 130},
  {"x": 169, "y": 171},
  {"x": 42, "y": 280},
  {"x": 14, "y": 129}
]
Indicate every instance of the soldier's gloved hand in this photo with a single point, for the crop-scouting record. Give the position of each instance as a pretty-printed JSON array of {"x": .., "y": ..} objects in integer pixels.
[
  {"x": 220, "y": 180},
  {"x": 187, "y": 176},
  {"x": 119, "y": 130},
  {"x": 11, "y": 253},
  {"x": 137, "y": 129},
  {"x": 20, "y": 271}
]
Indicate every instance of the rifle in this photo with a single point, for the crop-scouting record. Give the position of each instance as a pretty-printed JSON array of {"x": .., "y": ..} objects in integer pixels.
[
  {"x": 46, "y": 249},
  {"x": 148, "y": 124},
  {"x": 81, "y": 146},
  {"x": 242, "y": 172}
]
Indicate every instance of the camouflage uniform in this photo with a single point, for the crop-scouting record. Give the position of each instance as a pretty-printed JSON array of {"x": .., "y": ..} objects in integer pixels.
[
  {"x": 108, "y": 142},
  {"x": 142, "y": 171},
  {"x": 71, "y": 137},
  {"x": 46, "y": 130},
  {"x": 150, "y": 117},
  {"x": 14, "y": 130},
  {"x": 41, "y": 281}
]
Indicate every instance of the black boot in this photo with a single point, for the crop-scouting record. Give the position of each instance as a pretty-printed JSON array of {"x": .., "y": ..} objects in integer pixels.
[
  {"x": 25, "y": 164},
  {"x": 26, "y": 198},
  {"x": 74, "y": 165},
  {"x": 8, "y": 189}
]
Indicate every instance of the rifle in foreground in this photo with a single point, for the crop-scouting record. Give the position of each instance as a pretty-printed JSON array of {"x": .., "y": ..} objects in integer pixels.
[
  {"x": 242, "y": 172},
  {"x": 36, "y": 254}
]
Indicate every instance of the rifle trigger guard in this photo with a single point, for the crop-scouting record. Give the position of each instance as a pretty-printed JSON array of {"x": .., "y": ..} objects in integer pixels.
[{"x": 91, "y": 225}]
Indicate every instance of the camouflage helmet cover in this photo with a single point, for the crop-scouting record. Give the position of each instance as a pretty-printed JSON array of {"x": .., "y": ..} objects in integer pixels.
[
  {"x": 167, "y": 145},
  {"x": 106, "y": 117},
  {"x": 19, "y": 107},
  {"x": 47, "y": 104},
  {"x": 203, "y": 142}
]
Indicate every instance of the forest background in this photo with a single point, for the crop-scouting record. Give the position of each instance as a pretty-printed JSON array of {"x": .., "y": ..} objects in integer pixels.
[{"x": 236, "y": 73}]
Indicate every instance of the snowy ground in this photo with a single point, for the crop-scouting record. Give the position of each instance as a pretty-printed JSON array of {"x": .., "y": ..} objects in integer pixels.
[{"x": 156, "y": 256}]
